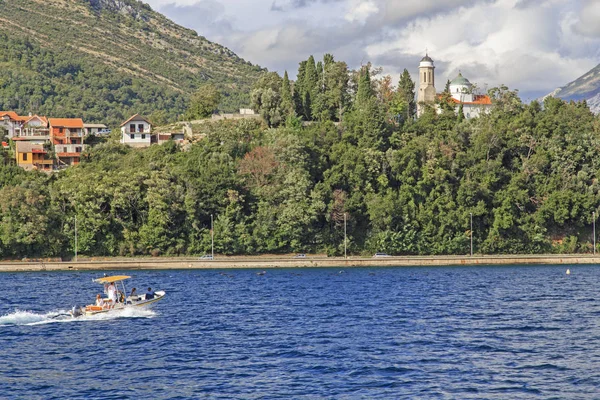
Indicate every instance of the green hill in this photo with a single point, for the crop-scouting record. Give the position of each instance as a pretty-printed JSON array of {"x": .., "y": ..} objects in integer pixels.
[{"x": 107, "y": 59}]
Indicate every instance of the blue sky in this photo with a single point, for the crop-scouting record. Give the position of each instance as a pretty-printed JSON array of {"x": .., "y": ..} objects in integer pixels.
[{"x": 534, "y": 46}]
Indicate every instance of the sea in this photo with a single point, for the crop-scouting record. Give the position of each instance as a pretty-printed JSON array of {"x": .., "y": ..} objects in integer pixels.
[{"x": 483, "y": 332}]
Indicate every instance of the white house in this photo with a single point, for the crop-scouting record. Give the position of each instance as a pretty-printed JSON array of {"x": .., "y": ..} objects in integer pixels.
[
  {"x": 136, "y": 131},
  {"x": 11, "y": 122}
]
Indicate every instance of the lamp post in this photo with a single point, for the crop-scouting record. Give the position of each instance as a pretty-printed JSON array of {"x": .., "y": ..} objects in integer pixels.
[
  {"x": 212, "y": 238},
  {"x": 471, "y": 214},
  {"x": 345, "y": 238},
  {"x": 76, "y": 238},
  {"x": 594, "y": 220}
]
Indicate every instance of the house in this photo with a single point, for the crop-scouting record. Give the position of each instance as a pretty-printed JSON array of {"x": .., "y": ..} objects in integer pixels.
[
  {"x": 136, "y": 132},
  {"x": 66, "y": 134},
  {"x": 93, "y": 129},
  {"x": 32, "y": 156},
  {"x": 11, "y": 122},
  {"x": 35, "y": 129}
]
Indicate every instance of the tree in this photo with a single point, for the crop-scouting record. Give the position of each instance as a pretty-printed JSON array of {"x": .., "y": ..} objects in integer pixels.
[
  {"x": 310, "y": 87},
  {"x": 364, "y": 93},
  {"x": 266, "y": 98},
  {"x": 203, "y": 103},
  {"x": 287, "y": 102},
  {"x": 405, "y": 94}
]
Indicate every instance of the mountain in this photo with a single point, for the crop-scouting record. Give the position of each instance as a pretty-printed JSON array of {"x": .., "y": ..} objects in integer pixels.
[
  {"x": 586, "y": 87},
  {"x": 108, "y": 59}
]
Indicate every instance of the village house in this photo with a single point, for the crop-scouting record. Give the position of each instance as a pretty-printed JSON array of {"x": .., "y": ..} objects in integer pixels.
[
  {"x": 136, "y": 132},
  {"x": 94, "y": 129},
  {"x": 35, "y": 130},
  {"x": 32, "y": 156},
  {"x": 66, "y": 134},
  {"x": 11, "y": 122}
]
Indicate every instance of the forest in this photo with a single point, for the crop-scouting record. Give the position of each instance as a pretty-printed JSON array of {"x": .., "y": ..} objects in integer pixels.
[{"x": 335, "y": 142}]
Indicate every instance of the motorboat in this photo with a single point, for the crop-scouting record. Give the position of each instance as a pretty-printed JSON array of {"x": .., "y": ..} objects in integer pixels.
[{"x": 107, "y": 305}]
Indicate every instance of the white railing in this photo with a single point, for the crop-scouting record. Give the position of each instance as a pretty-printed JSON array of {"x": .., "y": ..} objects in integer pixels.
[{"x": 69, "y": 148}]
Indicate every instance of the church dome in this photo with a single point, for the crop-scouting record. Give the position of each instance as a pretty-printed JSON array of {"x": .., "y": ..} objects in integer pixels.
[
  {"x": 460, "y": 81},
  {"x": 427, "y": 59}
]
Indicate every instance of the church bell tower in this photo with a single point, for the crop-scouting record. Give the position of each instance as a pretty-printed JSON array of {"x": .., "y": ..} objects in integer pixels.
[{"x": 426, "y": 84}]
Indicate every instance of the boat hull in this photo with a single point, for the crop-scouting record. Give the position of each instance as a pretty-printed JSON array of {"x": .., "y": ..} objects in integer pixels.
[{"x": 93, "y": 310}]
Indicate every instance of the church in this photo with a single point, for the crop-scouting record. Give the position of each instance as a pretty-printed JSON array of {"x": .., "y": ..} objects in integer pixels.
[{"x": 461, "y": 91}]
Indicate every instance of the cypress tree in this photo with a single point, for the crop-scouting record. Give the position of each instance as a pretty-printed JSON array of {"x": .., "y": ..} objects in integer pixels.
[
  {"x": 310, "y": 86},
  {"x": 298, "y": 94},
  {"x": 406, "y": 90},
  {"x": 365, "y": 88},
  {"x": 287, "y": 103}
]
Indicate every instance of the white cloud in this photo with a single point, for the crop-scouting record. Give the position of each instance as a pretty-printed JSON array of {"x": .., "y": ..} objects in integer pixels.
[
  {"x": 529, "y": 45},
  {"x": 361, "y": 10}
]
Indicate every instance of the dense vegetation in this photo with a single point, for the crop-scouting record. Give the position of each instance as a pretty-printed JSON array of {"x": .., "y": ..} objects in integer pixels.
[
  {"x": 106, "y": 60},
  {"x": 527, "y": 173}
]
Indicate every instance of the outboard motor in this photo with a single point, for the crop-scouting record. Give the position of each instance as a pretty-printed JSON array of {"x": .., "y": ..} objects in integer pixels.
[{"x": 76, "y": 312}]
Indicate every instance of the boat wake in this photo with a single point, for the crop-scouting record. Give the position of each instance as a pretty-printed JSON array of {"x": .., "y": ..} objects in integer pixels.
[{"x": 27, "y": 318}]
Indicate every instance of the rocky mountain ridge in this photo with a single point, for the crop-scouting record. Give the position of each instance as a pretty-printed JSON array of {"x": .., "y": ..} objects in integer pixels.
[{"x": 586, "y": 87}]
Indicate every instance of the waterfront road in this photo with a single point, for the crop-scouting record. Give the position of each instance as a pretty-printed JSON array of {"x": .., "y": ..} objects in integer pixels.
[{"x": 289, "y": 261}]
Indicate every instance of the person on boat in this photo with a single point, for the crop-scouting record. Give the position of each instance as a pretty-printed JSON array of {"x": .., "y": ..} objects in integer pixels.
[
  {"x": 112, "y": 293},
  {"x": 149, "y": 294},
  {"x": 99, "y": 301}
]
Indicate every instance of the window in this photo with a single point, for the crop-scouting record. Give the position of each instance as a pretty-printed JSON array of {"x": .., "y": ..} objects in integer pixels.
[
  {"x": 77, "y": 149},
  {"x": 24, "y": 156},
  {"x": 60, "y": 130},
  {"x": 131, "y": 128},
  {"x": 140, "y": 127},
  {"x": 424, "y": 76},
  {"x": 132, "y": 136},
  {"x": 143, "y": 136}
]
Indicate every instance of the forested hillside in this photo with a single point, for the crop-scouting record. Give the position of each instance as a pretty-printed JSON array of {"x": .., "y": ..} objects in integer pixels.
[
  {"x": 527, "y": 173},
  {"x": 108, "y": 59}
]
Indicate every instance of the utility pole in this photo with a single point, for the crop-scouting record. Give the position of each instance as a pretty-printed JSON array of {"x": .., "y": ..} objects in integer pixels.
[
  {"x": 471, "y": 234},
  {"x": 212, "y": 238},
  {"x": 76, "y": 238},
  {"x": 345, "y": 240}
]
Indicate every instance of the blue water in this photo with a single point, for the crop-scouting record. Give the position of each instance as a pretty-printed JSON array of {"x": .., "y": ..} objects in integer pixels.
[{"x": 398, "y": 333}]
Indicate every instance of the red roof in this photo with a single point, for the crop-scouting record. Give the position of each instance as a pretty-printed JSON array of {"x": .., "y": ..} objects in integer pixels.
[
  {"x": 43, "y": 119},
  {"x": 4, "y": 144},
  {"x": 11, "y": 114},
  {"x": 38, "y": 151},
  {"x": 478, "y": 100},
  {"x": 17, "y": 138},
  {"x": 136, "y": 117},
  {"x": 66, "y": 122}
]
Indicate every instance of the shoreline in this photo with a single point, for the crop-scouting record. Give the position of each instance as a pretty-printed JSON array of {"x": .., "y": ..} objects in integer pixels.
[{"x": 264, "y": 262}]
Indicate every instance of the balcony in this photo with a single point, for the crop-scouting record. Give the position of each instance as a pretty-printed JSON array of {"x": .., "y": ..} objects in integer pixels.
[{"x": 69, "y": 148}]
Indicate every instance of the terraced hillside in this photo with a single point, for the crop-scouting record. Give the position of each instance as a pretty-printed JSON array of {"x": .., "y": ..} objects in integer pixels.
[{"x": 106, "y": 59}]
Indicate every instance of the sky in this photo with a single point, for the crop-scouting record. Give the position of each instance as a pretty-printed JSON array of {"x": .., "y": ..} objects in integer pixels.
[{"x": 534, "y": 46}]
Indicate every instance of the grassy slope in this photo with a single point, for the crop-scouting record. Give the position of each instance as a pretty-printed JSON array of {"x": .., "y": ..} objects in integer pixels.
[{"x": 131, "y": 42}]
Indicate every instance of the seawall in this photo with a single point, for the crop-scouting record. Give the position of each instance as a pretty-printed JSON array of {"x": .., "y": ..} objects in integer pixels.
[{"x": 262, "y": 262}]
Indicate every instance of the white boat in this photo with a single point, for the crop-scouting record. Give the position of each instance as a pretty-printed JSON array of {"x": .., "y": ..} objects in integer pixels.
[{"x": 123, "y": 302}]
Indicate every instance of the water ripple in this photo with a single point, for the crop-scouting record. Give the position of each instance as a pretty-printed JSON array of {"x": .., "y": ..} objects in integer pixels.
[{"x": 426, "y": 333}]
